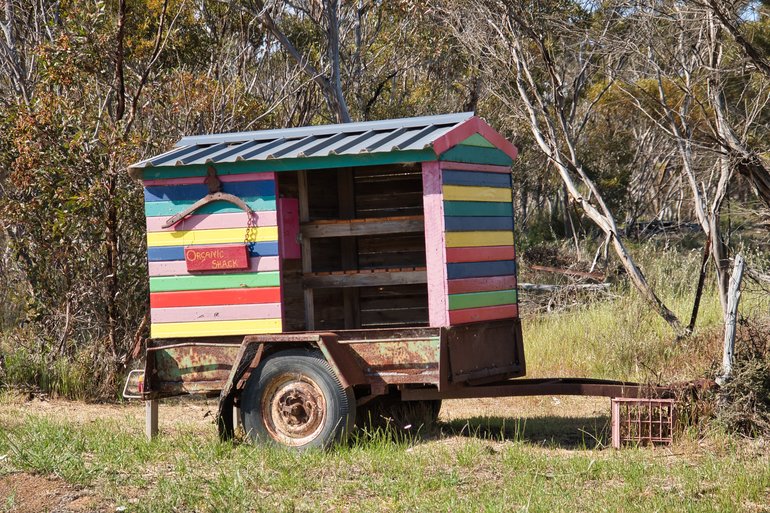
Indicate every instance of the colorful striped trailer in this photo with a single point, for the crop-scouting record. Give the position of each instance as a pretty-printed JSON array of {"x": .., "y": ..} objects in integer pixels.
[{"x": 306, "y": 274}]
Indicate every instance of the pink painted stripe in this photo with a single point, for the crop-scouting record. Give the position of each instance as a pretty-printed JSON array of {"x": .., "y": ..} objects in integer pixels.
[
  {"x": 486, "y": 313},
  {"x": 489, "y": 168},
  {"x": 179, "y": 267},
  {"x": 216, "y": 313},
  {"x": 489, "y": 283},
  {"x": 213, "y": 221},
  {"x": 474, "y": 125},
  {"x": 191, "y": 180},
  {"x": 435, "y": 243}
]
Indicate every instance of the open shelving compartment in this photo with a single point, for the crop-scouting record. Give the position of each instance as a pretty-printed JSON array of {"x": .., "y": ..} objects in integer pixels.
[{"x": 363, "y": 259}]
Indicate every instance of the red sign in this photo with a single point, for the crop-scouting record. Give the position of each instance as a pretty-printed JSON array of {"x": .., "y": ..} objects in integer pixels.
[{"x": 216, "y": 258}]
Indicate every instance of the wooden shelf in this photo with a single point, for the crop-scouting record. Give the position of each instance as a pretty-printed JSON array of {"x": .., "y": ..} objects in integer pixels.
[
  {"x": 366, "y": 278},
  {"x": 359, "y": 227}
]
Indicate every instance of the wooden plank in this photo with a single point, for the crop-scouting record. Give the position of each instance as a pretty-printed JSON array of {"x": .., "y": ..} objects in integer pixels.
[
  {"x": 220, "y": 236},
  {"x": 215, "y": 328},
  {"x": 470, "y": 193},
  {"x": 480, "y": 299},
  {"x": 464, "y": 285},
  {"x": 481, "y": 269},
  {"x": 298, "y": 164},
  {"x": 215, "y": 297},
  {"x": 364, "y": 279},
  {"x": 480, "y": 254},
  {"x": 487, "y": 168},
  {"x": 474, "y": 125},
  {"x": 457, "y": 177},
  {"x": 189, "y": 180},
  {"x": 179, "y": 267},
  {"x": 481, "y": 223},
  {"x": 362, "y": 227},
  {"x": 166, "y": 253},
  {"x": 475, "y": 155},
  {"x": 435, "y": 244},
  {"x": 307, "y": 254},
  {"x": 214, "y": 221},
  {"x": 477, "y": 209},
  {"x": 214, "y": 281},
  {"x": 177, "y": 193},
  {"x": 169, "y": 208},
  {"x": 487, "y": 313},
  {"x": 480, "y": 238},
  {"x": 216, "y": 313},
  {"x": 346, "y": 196}
]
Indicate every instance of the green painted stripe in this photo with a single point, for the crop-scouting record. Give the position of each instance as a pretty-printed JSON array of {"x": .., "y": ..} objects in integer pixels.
[
  {"x": 214, "y": 281},
  {"x": 261, "y": 166},
  {"x": 479, "y": 299},
  {"x": 169, "y": 208},
  {"x": 477, "y": 209},
  {"x": 477, "y": 155},
  {"x": 477, "y": 140}
]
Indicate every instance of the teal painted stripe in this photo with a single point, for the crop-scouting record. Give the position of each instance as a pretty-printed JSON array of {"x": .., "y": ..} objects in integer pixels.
[
  {"x": 477, "y": 209},
  {"x": 169, "y": 208},
  {"x": 481, "y": 299},
  {"x": 261, "y": 166},
  {"x": 214, "y": 282},
  {"x": 476, "y": 155}
]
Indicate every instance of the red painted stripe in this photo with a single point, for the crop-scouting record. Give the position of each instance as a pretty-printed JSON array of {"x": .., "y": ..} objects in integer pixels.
[
  {"x": 192, "y": 180},
  {"x": 464, "y": 285},
  {"x": 480, "y": 254},
  {"x": 486, "y": 313},
  {"x": 489, "y": 168},
  {"x": 215, "y": 297}
]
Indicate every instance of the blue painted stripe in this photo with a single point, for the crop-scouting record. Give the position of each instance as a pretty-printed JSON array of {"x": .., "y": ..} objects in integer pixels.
[
  {"x": 165, "y": 253},
  {"x": 195, "y": 192},
  {"x": 473, "y": 224},
  {"x": 455, "y": 177},
  {"x": 169, "y": 208},
  {"x": 481, "y": 269}
]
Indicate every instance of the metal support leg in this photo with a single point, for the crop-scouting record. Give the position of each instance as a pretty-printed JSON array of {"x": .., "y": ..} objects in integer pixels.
[
  {"x": 151, "y": 418},
  {"x": 236, "y": 418}
]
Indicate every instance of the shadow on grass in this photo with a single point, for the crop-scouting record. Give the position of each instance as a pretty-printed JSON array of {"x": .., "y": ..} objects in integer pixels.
[
  {"x": 551, "y": 431},
  {"x": 572, "y": 433}
]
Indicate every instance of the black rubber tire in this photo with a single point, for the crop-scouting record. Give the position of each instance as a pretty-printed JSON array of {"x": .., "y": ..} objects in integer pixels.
[
  {"x": 294, "y": 398},
  {"x": 390, "y": 411}
]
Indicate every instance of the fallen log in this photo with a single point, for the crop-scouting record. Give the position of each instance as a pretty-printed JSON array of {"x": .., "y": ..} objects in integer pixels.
[{"x": 541, "y": 287}]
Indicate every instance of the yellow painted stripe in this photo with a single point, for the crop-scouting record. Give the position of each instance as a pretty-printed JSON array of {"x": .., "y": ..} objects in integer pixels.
[
  {"x": 469, "y": 193},
  {"x": 475, "y": 239},
  {"x": 220, "y": 236},
  {"x": 214, "y": 328}
]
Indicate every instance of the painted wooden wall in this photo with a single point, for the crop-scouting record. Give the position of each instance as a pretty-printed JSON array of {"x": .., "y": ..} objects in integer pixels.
[
  {"x": 212, "y": 303},
  {"x": 469, "y": 236}
]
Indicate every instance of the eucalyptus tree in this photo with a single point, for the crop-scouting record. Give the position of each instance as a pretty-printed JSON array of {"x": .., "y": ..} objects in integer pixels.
[{"x": 548, "y": 62}]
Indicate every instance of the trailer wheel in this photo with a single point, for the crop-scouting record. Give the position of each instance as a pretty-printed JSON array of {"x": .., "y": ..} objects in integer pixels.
[{"x": 294, "y": 398}]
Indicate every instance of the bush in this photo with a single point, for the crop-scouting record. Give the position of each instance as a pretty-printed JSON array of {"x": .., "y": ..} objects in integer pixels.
[{"x": 744, "y": 400}]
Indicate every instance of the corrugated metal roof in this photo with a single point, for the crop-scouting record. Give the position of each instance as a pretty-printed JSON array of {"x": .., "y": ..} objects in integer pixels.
[{"x": 313, "y": 141}]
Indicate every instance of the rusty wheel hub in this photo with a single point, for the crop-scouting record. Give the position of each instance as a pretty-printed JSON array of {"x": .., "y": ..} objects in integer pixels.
[{"x": 293, "y": 409}]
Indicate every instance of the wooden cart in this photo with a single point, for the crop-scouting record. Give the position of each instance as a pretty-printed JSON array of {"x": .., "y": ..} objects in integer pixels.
[{"x": 301, "y": 273}]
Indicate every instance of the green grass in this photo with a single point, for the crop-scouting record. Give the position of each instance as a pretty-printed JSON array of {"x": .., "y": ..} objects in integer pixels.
[{"x": 476, "y": 472}]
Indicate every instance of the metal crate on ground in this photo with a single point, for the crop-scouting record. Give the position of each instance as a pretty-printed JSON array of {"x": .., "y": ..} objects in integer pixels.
[{"x": 642, "y": 421}]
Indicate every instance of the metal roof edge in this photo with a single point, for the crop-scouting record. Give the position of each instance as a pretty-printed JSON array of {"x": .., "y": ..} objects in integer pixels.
[{"x": 305, "y": 131}]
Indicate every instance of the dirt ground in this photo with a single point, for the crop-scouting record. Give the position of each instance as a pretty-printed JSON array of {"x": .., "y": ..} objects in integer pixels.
[{"x": 25, "y": 493}]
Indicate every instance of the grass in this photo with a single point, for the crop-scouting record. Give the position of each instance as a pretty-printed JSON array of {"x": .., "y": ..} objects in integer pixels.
[{"x": 477, "y": 471}]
